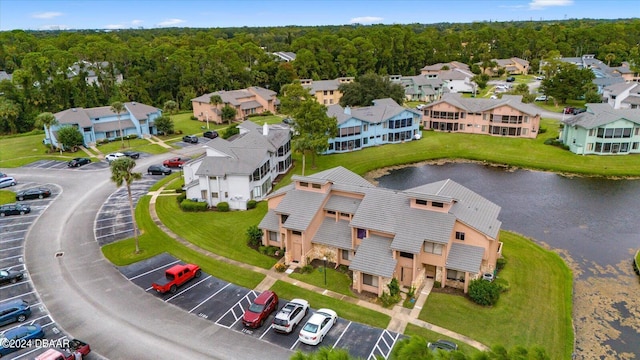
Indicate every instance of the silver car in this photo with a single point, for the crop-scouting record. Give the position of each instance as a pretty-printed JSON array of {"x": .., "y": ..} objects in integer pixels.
[
  {"x": 290, "y": 315},
  {"x": 7, "y": 181}
]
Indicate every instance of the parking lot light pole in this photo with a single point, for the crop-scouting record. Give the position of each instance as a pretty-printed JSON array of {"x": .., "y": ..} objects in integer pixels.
[
  {"x": 207, "y": 114},
  {"x": 325, "y": 270}
]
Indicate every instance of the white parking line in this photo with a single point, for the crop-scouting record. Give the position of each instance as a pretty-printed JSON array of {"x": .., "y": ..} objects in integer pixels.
[
  {"x": 233, "y": 311},
  {"x": 340, "y": 337},
  {"x": 14, "y": 232},
  {"x": 112, "y": 218},
  {"x": 295, "y": 343},
  {"x": 152, "y": 270},
  {"x": 16, "y": 284},
  {"x": 113, "y": 233},
  {"x": 11, "y": 257},
  {"x": 190, "y": 287},
  {"x": 15, "y": 297},
  {"x": 11, "y": 248},
  {"x": 266, "y": 331},
  {"x": 30, "y": 322},
  {"x": 114, "y": 225},
  {"x": 11, "y": 240},
  {"x": 207, "y": 299},
  {"x": 373, "y": 356}
]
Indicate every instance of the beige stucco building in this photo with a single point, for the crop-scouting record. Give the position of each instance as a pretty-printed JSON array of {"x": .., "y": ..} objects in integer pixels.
[
  {"x": 326, "y": 92},
  {"x": 441, "y": 230},
  {"x": 252, "y": 100}
]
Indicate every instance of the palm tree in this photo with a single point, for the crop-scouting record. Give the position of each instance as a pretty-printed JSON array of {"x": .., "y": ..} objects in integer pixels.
[
  {"x": 47, "y": 120},
  {"x": 609, "y": 57},
  {"x": 122, "y": 172},
  {"x": 118, "y": 107},
  {"x": 215, "y": 100}
]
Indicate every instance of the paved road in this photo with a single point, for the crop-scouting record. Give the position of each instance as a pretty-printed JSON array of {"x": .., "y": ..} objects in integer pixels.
[{"x": 91, "y": 300}]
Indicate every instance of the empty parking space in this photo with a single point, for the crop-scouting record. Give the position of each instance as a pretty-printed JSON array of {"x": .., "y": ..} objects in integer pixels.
[{"x": 224, "y": 303}]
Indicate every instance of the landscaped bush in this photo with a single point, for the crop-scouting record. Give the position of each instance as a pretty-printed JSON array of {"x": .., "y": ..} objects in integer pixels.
[
  {"x": 502, "y": 284},
  {"x": 193, "y": 117},
  {"x": 307, "y": 269},
  {"x": 180, "y": 190},
  {"x": 556, "y": 142},
  {"x": 131, "y": 136},
  {"x": 190, "y": 205},
  {"x": 180, "y": 198},
  {"x": 254, "y": 236},
  {"x": 263, "y": 249},
  {"x": 387, "y": 300},
  {"x": 542, "y": 130},
  {"x": 229, "y": 132},
  {"x": 178, "y": 132},
  {"x": 500, "y": 263},
  {"x": 437, "y": 285},
  {"x": 251, "y": 204},
  {"x": 394, "y": 287},
  {"x": 223, "y": 206},
  {"x": 484, "y": 292},
  {"x": 280, "y": 267}
]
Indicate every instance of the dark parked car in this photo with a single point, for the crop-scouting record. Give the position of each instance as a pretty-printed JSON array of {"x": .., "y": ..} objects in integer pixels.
[
  {"x": 577, "y": 111},
  {"x": 288, "y": 121},
  {"x": 131, "y": 154},
  {"x": 190, "y": 139},
  {"x": 15, "y": 339},
  {"x": 10, "y": 276},
  {"x": 442, "y": 345},
  {"x": 211, "y": 134},
  {"x": 7, "y": 181},
  {"x": 78, "y": 162},
  {"x": 260, "y": 309},
  {"x": 14, "y": 209},
  {"x": 16, "y": 310},
  {"x": 511, "y": 79},
  {"x": 158, "y": 170},
  {"x": 34, "y": 193}
]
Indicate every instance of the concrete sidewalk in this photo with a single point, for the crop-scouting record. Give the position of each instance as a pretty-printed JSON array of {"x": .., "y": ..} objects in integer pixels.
[{"x": 400, "y": 316}]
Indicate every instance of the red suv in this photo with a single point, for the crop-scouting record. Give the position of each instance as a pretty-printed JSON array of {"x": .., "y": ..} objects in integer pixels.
[{"x": 260, "y": 309}]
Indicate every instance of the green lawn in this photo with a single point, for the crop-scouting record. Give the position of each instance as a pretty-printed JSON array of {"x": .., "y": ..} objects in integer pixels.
[
  {"x": 535, "y": 311},
  {"x": 154, "y": 241},
  {"x": 7, "y": 197},
  {"x": 431, "y": 336},
  {"x": 336, "y": 281},
  {"x": 16, "y": 151},
  {"x": 167, "y": 179},
  {"x": 140, "y": 145},
  {"x": 218, "y": 232},
  {"x": 344, "y": 309}
]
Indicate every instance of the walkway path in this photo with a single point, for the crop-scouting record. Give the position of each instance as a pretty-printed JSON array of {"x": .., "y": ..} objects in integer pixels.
[{"x": 400, "y": 316}]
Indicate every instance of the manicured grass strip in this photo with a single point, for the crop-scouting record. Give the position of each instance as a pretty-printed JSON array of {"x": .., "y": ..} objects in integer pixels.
[
  {"x": 175, "y": 184},
  {"x": 7, "y": 197},
  {"x": 140, "y": 145},
  {"x": 153, "y": 241},
  {"x": 222, "y": 233},
  {"x": 336, "y": 281},
  {"x": 16, "y": 151},
  {"x": 431, "y": 336},
  {"x": 167, "y": 179},
  {"x": 344, "y": 309},
  {"x": 535, "y": 311}
]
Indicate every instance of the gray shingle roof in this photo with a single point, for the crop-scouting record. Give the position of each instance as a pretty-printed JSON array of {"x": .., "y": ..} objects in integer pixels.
[
  {"x": 113, "y": 125},
  {"x": 233, "y": 96},
  {"x": 477, "y": 105},
  {"x": 334, "y": 233},
  {"x": 270, "y": 221},
  {"x": 340, "y": 175},
  {"x": 618, "y": 88},
  {"x": 250, "y": 105},
  {"x": 74, "y": 116},
  {"x": 343, "y": 204},
  {"x": 465, "y": 258},
  {"x": 374, "y": 257},
  {"x": 382, "y": 110},
  {"x": 602, "y": 114},
  {"x": 238, "y": 161},
  {"x": 140, "y": 111},
  {"x": 301, "y": 206}
]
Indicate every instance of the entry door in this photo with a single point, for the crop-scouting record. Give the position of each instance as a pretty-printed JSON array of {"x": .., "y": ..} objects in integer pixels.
[
  {"x": 297, "y": 252},
  {"x": 406, "y": 275}
]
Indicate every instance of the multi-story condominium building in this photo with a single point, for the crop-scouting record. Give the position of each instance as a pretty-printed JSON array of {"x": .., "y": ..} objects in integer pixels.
[
  {"x": 508, "y": 116},
  {"x": 326, "y": 92},
  {"x": 252, "y": 100},
  {"x": 385, "y": 122},
  {"x": 440, "y": 230}
]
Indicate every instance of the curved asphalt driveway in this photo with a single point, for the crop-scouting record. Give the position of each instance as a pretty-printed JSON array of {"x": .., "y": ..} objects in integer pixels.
[{"x": 91, "y": 300}]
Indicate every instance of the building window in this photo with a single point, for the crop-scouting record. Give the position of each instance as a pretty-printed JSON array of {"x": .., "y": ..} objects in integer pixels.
[
  {"x": 365, "y": 127},
  {"x": 331, "y": 212},
  {"x": 345, "y": 254},
  {"x": 214, "y": 195},
  {"x": 437, "y": 204},
  {"x": 294, "y": 232},
  {"x": 455, "y": 275},
  {"x": 459, "y": 235},
  {"x": 316, "y": 186},
  {"x": 304, "y": 184},
  {"x": 421, "y": 202},
  {"x": 362, "y": 233},
  {"x": 590, "y": 147},
  {"x": 283, "y": 218},
  {"x": 592, "y": 132},
  {"x": 433, "y": 248},
  {"x": 406, "y": 255},
  {"x": 273, "y": 236},
  {"x": 344, "y": 215},
  {"x": 370, "y": 280}
]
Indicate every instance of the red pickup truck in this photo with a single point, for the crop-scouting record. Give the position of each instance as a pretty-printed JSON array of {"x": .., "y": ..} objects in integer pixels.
[
  {"x": 174, "y": 162},
  {"x": 176, "y": 276},
  {"x": 68, "y": 353}
]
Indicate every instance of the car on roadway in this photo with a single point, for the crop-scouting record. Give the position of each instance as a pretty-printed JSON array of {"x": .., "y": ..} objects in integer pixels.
[
  {"x": 7, "y": 181},
  {"x": 577, "y": 111},
  {"x": 444, "y": 345},
  {"x": 158, "y": 170},
  {"x": 210, "y": 134},
  {"x": 421, "y": 106},
  {"x": 539, "y": 77},
  {"x": 77, "y": 162},
  {"x": 114, "y": 156},
  {"x": 260, "y": 309},
  {"x": 131, "y": 154},
  {"x": 288, "y": 121},
  {"x": 14, "y": 311},
  {"x": 317, "y": 327},
  {"x": 33, "y": 193},
  {"x": 174, "y": 162},
  {"x": 10, "y": 276},
  {"x": 541, "y": 98},
  {"x": 511, "y": 79},
  {"x": 16, "y": 338},
  {"x": 14, "y": 209},
  {"x": 290, "y": 315},
  {"x": 192, "y": 139}
]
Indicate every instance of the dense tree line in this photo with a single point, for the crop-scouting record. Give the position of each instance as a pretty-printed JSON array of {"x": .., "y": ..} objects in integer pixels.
[{"x": 179, "y": 64}]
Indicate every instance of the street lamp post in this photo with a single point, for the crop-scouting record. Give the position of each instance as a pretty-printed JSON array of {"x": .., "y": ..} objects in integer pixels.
[
  {"x": 325, "y": 270},
  {"x": 207, "y": 114}
]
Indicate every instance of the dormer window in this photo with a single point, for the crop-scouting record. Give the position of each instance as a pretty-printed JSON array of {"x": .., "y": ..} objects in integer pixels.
[
  {"x": 283, "y": 218},
  {"x": 437, "y": 204},
  {"x": 316, "y": 186},
  {"x": 304, "y": 184},
  {"x": 421, "y": 202}
]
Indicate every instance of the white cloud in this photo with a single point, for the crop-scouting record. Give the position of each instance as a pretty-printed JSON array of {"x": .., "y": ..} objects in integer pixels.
[
  {"x": 54, "y": 27},
  {"x": 365, "y": 20},
  {"x": 136, "y": 22},
  {"x": 171, "y": 22},
  {"x": 46, "y": 15},
  {"x": 114, "y": 26},
  {"x": 541, "y": 4}
]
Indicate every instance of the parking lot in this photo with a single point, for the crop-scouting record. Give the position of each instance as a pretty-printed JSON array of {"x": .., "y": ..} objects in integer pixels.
[
  {"x": 13, "y": 230},
  {"x": 224, "y": 303}
]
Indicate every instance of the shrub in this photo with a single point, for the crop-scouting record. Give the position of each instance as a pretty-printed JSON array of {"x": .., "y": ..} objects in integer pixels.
[
  {"x": 181, "y": 198},
  {"x": 271, "y": 250},
  {"x": 542, "y": 130},
  {"x": 280, "y": 267},
  {"x": 500, "y": 263},
  {"x": 263, "y": 249},
  {"x": 223, "y": 206},
  {"x": 387, "y": 300},
  {"x": 178, "y": 132},
  {"x": 132, "y": 136},
  {"x": 412, "y": 292},
  {"x": 230, "y": 131},
  {"x": 502, "y": 284},
  {"x": 307, "y": 269},
  {"x": 343, "y": 269},
  {"x": 193, "y": 117},
  {"x": 189, "y": 205},
  {"x": 251, "y": 204},
  {"x": 254, "y": 236},
  {"x": 180, "y": 190},
  {"x": 394, "y": 287},
  {"x": 437, "y": 284},
  {"x": 484, "y": 292}
]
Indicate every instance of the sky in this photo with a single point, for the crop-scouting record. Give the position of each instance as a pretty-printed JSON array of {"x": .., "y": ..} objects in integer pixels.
[{"x": 147, "y": 14}]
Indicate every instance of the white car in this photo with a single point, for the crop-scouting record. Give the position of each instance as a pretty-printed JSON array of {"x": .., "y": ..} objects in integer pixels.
[
  {"x": 421, "y": 106},
  {"x": 317, "y": 326},
  {"x": 290, "y": 315},
  {"x": 541, "y": 98},
  {"x": 114, "y": 156}
]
